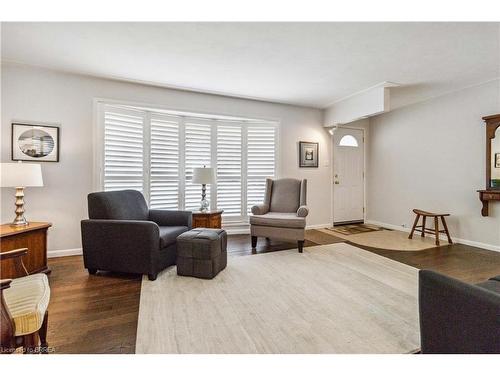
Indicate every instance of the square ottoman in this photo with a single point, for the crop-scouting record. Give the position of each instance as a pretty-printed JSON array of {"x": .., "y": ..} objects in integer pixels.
[{"x": 201, "y": 253}]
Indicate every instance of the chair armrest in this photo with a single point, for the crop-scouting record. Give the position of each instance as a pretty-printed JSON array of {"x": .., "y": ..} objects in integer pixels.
[
  {"x": 5, "y": 283},
  {"x": 134, "y": 232},
  {"x": 171, "y": 218},
  {"x": 302, "y": 211},
  {"x": 456, "y": 317},
  {"x": 120, "y": 245},
  {"x": 14, "y": 253},
  {"x": 260, "y": 209}
]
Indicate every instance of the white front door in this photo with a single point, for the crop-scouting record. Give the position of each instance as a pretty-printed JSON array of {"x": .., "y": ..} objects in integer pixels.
[{"x": 348, "y": 175}]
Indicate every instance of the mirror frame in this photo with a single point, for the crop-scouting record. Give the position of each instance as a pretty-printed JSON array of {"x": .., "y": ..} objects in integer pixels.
[{"x": 492, "y": 124}]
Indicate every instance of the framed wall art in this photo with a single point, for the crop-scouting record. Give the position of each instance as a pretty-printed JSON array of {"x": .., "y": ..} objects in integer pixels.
[
  {"x": 308, "y": 154},
  {"x": 32, "y": 142}
]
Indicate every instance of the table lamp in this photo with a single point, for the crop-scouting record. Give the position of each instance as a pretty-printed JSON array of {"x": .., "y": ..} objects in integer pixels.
[
  {"x": 20, "y": 175},
  {"x": 203, "y": 176}
]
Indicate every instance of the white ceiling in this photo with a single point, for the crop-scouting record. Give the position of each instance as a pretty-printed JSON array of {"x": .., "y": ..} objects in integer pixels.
[{"x": 311, "y": 64}]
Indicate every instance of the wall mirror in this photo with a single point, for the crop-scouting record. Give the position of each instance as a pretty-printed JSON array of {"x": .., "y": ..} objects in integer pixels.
[
  {"x": 492, "y": 191},
  {"x": 495, "y": 160}
]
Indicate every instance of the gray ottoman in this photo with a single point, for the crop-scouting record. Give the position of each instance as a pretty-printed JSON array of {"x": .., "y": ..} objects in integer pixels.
[{"x": 201, "y": 252}]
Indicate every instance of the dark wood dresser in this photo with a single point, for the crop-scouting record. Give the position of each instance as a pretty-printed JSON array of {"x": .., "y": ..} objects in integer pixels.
[{"x": 32, "y": 236}]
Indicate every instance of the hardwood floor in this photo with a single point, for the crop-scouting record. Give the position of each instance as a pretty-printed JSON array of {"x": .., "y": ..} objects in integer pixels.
[
  {"x": 467, "y": 263},
  {"x": 91, "y": 313},
  {"x": 98, "y": 313}
]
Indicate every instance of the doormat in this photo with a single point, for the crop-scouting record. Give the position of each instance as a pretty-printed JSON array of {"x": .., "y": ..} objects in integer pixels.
[{"x": 347, "y": 230}]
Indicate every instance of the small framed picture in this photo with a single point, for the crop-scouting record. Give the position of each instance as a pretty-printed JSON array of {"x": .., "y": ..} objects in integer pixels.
[
  {"x": 32, "y": 142},
  {"x": 497, "y": 160},
  {"x": 308, "y": 154}
]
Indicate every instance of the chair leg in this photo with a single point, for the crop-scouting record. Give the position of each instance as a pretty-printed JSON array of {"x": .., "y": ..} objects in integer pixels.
[
  {"x": 44, "y": 347},
  {"x": 423, "y": 226},
  {"x": 30, "y": 342},
  {"x": 152, "y": 276},
  {"x": 301, "y": 246},
  {"x": 446, "y": 229},
  {"x": 436, "y": 229},
  {"x": 254, "y": 242},
  {"x": 92, "y": 271},
  {"x": 414, "y": 226}
]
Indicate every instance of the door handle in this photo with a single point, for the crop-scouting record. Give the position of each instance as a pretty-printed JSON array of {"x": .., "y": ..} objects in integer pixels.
[{"x": 336, "y": 182}]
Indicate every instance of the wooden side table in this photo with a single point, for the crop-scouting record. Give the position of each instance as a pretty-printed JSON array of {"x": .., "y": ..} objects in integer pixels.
[
  {"x": 32, "y": 236},
  {"x": 208, "y": 219}
]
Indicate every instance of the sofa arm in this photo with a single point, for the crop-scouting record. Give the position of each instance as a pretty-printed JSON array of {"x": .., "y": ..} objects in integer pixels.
[
  {"x": 120, "y": 245},
  {"x": 302, "y": 211},
  {"x": 171, "y": 218},
  {"x": 260, "y": 209},
  {"x": 456, "y": 317}
]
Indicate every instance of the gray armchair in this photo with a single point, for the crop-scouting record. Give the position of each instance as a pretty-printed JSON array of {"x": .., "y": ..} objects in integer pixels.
[
  {"x": 283, "y": 213},
  {"x": 123, "y": 235}
]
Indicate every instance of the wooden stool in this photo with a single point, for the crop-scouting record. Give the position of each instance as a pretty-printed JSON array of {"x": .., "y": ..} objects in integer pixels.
[{"x": 424, "y": 230}]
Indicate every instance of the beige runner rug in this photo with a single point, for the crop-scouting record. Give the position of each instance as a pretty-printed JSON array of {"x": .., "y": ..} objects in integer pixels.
[{"x": 332, "y": 298}]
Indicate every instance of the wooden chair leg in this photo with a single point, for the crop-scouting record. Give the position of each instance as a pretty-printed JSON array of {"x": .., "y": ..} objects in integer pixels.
[
  {"x": 30, "y": 343},
  {"x": 300, "y": 245},
  {"x": 414, "y": 226},
  {"x": 254, "y": 242},
  {"x": 446, "y": 229},
  {"x": 423, "y": 226},
  {"x": 44, "y": 347},
  {"x": 436, "y": 229}
]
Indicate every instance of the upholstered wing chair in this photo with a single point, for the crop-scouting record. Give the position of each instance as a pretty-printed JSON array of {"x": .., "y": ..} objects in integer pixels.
[
  {"x": 123, "y": 235},
  {"x": 283, "y": 213}
]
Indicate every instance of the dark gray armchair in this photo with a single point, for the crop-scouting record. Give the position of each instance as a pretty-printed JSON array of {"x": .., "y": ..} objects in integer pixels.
[
  {"x": 456, "y": 317},
  {"x": 123, "y": 235}
]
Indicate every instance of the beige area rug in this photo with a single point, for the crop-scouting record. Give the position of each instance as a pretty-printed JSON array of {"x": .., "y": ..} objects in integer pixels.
[
  {"x": 388, "y": 240},
  {"x": 331, "y": 299}
]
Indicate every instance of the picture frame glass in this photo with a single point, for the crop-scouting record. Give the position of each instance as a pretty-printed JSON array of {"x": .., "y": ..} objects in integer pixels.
[{"x": 32, "y": 142}]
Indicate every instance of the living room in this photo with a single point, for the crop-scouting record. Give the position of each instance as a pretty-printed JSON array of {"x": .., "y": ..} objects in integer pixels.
[{"x": 250, "y": 187}]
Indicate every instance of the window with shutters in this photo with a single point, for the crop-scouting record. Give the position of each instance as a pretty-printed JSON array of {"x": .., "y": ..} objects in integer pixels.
[
  {"x": 124, "y": 149},
  {"x": 155, "y": 152}
]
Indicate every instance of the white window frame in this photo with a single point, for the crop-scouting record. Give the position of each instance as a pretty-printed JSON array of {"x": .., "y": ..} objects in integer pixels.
[{"x": 243, "y": 121}]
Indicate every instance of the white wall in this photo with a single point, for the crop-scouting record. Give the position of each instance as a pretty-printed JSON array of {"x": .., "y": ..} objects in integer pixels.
[
  {"x": 431, "y": 156},
  {"x": 33, "y": 94}
]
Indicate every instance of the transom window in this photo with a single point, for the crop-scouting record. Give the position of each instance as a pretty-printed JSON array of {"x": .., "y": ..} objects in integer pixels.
[
  {"x": 348, "y": 141},
  {"x": 155, "y": 153}
]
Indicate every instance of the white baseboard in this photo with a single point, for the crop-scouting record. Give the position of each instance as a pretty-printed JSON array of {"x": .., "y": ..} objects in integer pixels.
[
  {"x": 63, "y": 253},
  {"x": 441, "y": 237}
]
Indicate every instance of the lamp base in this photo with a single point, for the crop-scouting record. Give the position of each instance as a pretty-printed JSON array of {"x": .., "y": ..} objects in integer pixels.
[
  {"x": 204, "y": 204},
  {"x": 20, "y": 220}
]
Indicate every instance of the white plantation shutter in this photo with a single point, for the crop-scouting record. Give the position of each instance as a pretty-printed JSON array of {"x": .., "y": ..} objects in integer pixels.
[
  {"x": 261, "y": 161},
  {"x": 229, "y": 164},
  {"x": 164, "y": 159},
  {"x": 155, "y": 152},
  {"x": 123, "y": 149},
  {"x": 198, "y": 154}
]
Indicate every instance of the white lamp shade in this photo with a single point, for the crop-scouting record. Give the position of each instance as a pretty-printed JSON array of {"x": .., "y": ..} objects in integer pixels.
[
  {"x": 203, "y": 176},
  {"x": 21, "y": 175}
]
